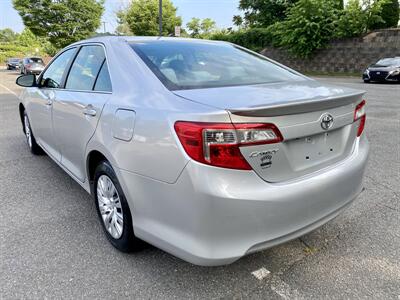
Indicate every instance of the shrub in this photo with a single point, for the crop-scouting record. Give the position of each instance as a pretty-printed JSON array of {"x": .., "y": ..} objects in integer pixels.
[
  {"x": 309, "y": 26},
  {"x": 352, "y": 21},
  {"x": 391, "y": 13},
  {"x": 384, "y": 13},
  {"x": 254, "y": 38}
]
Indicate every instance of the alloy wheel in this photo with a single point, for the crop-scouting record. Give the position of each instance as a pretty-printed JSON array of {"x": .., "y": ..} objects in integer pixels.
[
  {"x": 28, "y": 133},
  {"x": 110, "y": 207}
]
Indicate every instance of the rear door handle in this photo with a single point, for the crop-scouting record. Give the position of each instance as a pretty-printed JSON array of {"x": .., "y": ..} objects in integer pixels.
[{"x": 89, "y": 111}]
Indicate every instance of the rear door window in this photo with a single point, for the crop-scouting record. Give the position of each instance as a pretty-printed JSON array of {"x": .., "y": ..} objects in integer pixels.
[
  {"x": 85, "y": 68},
  {"x": 103, "y": 82}
]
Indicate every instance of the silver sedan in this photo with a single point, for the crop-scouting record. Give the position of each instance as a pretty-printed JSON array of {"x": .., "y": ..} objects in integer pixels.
[{"x": 204, "y": 149}]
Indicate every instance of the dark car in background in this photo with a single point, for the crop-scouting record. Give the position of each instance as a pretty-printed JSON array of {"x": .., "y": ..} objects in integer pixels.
[
  {"x": 12, "y": 63},
  {"x": 31, "y": 65},
  {"x": 385, "y": 70}
]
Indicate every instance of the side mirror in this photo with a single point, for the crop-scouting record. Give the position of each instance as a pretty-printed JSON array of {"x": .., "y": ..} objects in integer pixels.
[{"x": 26, "y": 80}]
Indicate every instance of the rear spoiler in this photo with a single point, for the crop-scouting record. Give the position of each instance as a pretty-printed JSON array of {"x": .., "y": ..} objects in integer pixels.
[{"x": 299, "y": 107}]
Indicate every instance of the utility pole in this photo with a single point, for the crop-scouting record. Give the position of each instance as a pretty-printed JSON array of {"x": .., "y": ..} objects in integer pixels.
[
  {"x": 104, "y": 27},
  {"x": 160, "y": 16}
]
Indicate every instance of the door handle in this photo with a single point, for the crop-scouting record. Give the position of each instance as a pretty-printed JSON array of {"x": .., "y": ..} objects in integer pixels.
[
  {"x": 89, "y": 111},
  {"x": 50, "y": 97}
]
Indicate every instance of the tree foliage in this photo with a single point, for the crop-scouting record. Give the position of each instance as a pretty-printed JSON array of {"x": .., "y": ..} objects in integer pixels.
[
  {"x": 7, "y": 35},
  {"x": 123, "y": 26},
  {"x": 193, "y": 27},
  {"x": 252, "y": 38},
  {"x": 200, "y": 28},
  {"x": 237, "y": 21},
  {"x": 63, "y": 21},
  {"x": 389, "y": 12},
  {"x": 207, "y": 25},
  {"x": 359, "y": 17},
  {"x": 262, "y": 13},
  {"x": 142, "y": 17},
  {"x": 23, "y": 44},
  {"x": 310, "y": 25}
]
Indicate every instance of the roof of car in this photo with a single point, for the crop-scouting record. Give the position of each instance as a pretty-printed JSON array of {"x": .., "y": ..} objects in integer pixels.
[{"x": 141, "y": 39}]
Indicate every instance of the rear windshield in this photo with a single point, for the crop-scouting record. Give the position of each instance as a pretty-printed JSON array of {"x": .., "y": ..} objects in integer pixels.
[
  {"x": 191, "y": 65},
  {"x": 14, "y": 60},
  {"x": 35, "y": 60}
]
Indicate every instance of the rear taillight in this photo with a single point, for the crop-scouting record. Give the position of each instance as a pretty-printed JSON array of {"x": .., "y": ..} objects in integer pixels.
[
  {"x": 359, "y": 114},
  {"x": 217, "y": 144}
]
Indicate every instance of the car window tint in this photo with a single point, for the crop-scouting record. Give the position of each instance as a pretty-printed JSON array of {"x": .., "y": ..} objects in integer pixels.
[
  {"x": 85, "y": 68},
  {"x": 53, "y": 75},
  {"x": 35, "y": 60},
  {"x": 190, "y": 65},
  {"x": 103, "y": 82}
]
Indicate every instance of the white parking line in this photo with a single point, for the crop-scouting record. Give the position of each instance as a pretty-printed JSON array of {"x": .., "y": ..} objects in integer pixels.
[
  {"x": 283, "y": 289},
  {"x": 6, "y": 88},
  {"x": 260, "y": 274}
]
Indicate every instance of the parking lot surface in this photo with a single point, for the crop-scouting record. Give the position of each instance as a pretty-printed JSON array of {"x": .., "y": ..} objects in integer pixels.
[{"x": 52, "y": 245}]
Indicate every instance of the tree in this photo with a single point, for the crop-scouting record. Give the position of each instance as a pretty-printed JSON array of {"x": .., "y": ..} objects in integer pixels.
[
  {"x": 28, "y": 39},
  {"x": 7, "y": 35},
  {"x": 310, "y": 25},
  {"x": 207, "y": 25},
  {"x": 262, "y": 13},
  {"x": 352, "y": 21},
  {"x": 63, "y": 21},
  {"x": 123, "y": 26},
  {"x": 200, "y": 28},
  {"x": 142, "y": 17},
  {"x": 194, "y": 27},
  {"x": 389, "y": 13},
  {"x": 237, "y": 21}
]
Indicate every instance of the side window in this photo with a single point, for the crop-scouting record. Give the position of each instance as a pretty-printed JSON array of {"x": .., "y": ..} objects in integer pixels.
[
  {"x": 103, "y": 81},
  {"x": 52, "y": 76},
  {"x": 85, "y": 68}
]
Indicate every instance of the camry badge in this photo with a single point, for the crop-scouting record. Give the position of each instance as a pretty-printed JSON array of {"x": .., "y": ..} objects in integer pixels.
[{"x": 326, "y": 121}]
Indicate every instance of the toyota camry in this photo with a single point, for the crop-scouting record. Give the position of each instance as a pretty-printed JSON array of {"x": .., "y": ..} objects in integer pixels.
[{"x": 204, "y": 149}]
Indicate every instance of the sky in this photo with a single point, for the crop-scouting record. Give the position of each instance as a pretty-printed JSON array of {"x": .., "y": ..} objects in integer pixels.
[{"x": 221, "y": 11}]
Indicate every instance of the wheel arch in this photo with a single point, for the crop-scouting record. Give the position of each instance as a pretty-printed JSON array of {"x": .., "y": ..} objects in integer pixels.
[{"x": 93, "y": 159}]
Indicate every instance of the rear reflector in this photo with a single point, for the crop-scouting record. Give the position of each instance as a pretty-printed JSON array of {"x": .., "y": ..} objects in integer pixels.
[
  {"x": 217, "y": 144},
  {"x": 359, "y": 114}
]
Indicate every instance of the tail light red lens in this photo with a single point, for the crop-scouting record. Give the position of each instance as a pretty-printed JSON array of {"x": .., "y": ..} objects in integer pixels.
[
  {"x": 359, "y": 114},
  {"x": 217, "y": 144}
]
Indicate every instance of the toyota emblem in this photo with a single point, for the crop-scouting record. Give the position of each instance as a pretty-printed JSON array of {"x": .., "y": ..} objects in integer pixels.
[{"x": 326, "y": 121}]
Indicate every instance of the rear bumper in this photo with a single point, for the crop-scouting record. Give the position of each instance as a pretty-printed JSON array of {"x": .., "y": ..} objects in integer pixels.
[
  {"x": 36, "y": 72},
  {"x": 213, "y": 216}
]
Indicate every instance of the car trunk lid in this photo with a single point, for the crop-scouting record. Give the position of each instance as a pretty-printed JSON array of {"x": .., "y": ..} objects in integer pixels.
[{"x": 299, "y": 110}]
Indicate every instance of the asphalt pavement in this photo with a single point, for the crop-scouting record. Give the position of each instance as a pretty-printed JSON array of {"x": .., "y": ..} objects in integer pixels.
[{"x": 52, "y": 245}]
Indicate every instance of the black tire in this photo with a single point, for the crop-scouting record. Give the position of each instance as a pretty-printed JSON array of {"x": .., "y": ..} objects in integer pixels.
[
  {"x": 127, "y": 242},
  {"x": 367, "y": 81},
  {"x": 32, "y": 144}
]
